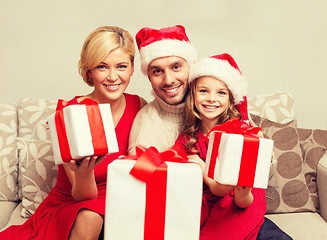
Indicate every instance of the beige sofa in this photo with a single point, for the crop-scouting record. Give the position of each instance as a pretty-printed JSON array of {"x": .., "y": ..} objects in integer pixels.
[{"x": 296, "y": 196}]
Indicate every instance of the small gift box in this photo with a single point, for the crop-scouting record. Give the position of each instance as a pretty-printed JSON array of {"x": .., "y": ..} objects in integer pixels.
[
  {"x": 150, "y": 198},
  {"x": 236, "y": 156},
  {"x": 81, "y": 130}
]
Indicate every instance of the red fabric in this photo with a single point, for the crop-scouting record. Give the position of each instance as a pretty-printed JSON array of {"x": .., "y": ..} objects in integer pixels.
[
  {"x": 55, "y": 216},
  {"x": 220, "y": 216}
]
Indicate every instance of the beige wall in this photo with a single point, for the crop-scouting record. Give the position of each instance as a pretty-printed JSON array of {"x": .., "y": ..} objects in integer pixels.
[{"x": 279, "y": 45}]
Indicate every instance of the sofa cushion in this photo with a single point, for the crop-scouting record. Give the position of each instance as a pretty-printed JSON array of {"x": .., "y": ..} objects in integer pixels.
[
  {"x": 8, "y": 153},
  {"x": 301, "y": 226},
  {"x": 277, "y": 107},
  {"x": 314, "y": 145},
  {"x": 38, "y": 172},
  {"x": 33, "y": 113},
  {"x": 287, "y": 189},
  {"x": 32, "y": 121}
]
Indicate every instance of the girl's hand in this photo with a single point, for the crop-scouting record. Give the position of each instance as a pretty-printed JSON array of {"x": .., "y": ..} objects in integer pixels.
[
  {"x": 252, "y": 124},
  {"x": 243, "y": 196}
]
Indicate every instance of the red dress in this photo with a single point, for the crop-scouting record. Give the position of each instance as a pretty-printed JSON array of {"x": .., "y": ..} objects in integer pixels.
[
  {"x": 55, "y": 216},
  {"x": 221, "y": 218}
]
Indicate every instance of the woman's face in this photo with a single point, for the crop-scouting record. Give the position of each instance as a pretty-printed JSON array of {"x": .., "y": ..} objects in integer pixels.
[
  {"x": 211, "y": 97},
  {"x": 112, "y": 76}
]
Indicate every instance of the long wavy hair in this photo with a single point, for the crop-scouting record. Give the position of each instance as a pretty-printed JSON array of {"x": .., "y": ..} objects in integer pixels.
[{"x": 193, "y": 118}]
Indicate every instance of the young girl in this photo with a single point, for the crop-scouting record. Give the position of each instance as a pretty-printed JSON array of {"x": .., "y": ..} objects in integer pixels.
[
  {"x": 75, "y": 207},
  {"x": 217, "y": 94}
]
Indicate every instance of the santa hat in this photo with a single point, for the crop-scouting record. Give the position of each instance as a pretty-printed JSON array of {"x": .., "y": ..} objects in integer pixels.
[
  {"x": 164, "y": 42},
  {"x": 224, "y": 67}
]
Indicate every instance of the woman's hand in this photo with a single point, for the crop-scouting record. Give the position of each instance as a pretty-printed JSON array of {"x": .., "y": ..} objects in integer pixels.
[
  {"x": 82, "y": 179},
  {"x": 86, "y": 165}
]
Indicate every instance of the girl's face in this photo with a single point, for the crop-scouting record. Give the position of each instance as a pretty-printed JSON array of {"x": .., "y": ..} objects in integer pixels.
[
  {"x": 211, "y": 98},
  {"x": 112, "y": 76}
]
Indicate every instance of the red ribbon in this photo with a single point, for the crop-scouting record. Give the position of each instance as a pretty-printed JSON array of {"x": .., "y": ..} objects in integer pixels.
[
  {"x": 249, "y": 152},
  {"x": 151, "y": 168},
  {"x": 96, "y": 128}
]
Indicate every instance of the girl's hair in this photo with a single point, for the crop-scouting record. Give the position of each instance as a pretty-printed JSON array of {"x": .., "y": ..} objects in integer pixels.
[
  {"x": 99, "y": 44},
  {"x": 193, "y": 118}
]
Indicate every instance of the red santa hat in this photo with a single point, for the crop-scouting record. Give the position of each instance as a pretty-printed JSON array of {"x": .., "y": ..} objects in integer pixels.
[
  {"x": 224, "y": 68},
  {"x": 164, "y": 42}
]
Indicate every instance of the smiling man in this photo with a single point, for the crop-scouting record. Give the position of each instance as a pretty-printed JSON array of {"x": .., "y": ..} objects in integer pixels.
[{"x": 166, "y": 55}]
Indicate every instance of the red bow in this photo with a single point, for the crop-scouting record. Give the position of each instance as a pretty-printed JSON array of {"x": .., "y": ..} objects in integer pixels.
[
  {"x": 234, "y": 125},
  {"x": 149, "y": 160}
]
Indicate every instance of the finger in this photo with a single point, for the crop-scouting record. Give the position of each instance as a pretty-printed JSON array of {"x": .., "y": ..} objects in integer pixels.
[
  {"x": 72, "y": 165},
  {"x": 100, "y": 159},
  {"x": 85, "y": 162}
]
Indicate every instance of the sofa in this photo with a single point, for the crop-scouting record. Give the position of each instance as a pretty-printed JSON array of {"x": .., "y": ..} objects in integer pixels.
[{"x": 296, "y": 194}]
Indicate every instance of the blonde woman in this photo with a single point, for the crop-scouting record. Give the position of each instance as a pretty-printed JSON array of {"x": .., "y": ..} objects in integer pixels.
[{"x": 74, "y": 209}]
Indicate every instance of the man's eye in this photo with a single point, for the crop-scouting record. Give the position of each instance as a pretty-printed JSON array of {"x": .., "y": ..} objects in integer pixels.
[
  {"x": 176, "y": 67},
  {"x": 156, "y": 71}
]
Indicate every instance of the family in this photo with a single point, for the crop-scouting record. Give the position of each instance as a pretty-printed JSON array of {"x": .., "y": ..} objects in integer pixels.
[{"x": 190, "y": 97}]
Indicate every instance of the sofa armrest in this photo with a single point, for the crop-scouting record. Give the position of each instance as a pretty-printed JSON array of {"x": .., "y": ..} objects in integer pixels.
[{"x": 322, "y": 186}]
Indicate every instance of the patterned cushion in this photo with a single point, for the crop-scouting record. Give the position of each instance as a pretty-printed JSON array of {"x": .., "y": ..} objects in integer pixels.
[
  {"x": 287, "y": 189},
  {"x": 314, "y": 145},
  {"x": 8, "y": 152},
  {"x": 33, "y": 115},
  {"x": 277, "y": 107},
  {"x": 37, "y": 171}
]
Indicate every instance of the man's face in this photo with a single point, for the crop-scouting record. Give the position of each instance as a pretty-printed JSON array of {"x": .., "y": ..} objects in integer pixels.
[{"x": 169, "y": 78}]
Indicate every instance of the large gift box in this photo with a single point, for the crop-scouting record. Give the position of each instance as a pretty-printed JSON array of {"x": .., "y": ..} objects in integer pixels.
[
  {"x": 153, "y": 199},
  {"x": 236, "y": 156},
  {"x": 81, "y": 130}
]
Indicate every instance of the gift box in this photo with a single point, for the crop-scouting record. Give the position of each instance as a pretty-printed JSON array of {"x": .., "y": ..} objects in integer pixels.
[
  {"x": 162, "y": 204},
  {"x": 81, "y": 130},
  {"x": 240, "y": 159}
]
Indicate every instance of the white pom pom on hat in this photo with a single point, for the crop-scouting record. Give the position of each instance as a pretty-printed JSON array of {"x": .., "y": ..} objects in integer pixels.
[
  {"x": 164, "y": 42},
  {"x": 224, "y": 68}
]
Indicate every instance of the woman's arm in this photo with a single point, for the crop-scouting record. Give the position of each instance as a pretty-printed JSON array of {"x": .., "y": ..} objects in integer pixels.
[
  {"x": 216, "y": 188},
  {"x": 81, "y": 176}
]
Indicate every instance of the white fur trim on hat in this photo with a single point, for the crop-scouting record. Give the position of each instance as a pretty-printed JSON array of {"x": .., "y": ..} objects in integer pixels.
[
  {"x": 165, "y": 48},
  {"x": 222, "y": 70}
]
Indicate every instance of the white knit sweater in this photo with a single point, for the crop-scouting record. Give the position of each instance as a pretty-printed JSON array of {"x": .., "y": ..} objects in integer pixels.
[{"x": 157, "y": 124}]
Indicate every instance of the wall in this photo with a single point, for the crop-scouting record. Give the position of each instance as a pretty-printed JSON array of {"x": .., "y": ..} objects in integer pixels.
[{"x": 279, "y": 45}]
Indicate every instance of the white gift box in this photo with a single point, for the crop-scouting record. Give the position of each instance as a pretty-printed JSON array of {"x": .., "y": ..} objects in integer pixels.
[
  {"x": 78, "y": 132},
  {"x": 126, "y": 201},
  {"x": 227, "y": 164}
]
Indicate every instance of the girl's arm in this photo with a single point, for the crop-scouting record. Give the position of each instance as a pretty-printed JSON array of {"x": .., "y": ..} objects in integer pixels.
[
  {"x": 243, "y": 196},
  {"x": 81, "y": 176},
  {"x": 216, "y": 188}
]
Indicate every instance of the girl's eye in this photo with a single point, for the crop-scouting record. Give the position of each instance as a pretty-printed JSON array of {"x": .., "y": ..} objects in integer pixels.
[
  {"x": 222, "y": 93},
  {"x": 203, "y": 91}
]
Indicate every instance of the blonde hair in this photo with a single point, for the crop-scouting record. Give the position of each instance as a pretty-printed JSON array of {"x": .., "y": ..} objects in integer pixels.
[
  {"x": 193, "y": 118},
  {"x": 99, "y": 44}
]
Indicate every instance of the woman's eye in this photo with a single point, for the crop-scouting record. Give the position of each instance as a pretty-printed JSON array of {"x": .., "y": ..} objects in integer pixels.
[
  {"x": 122, "y": 67},
  {"x": 101, "y": 67}
]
